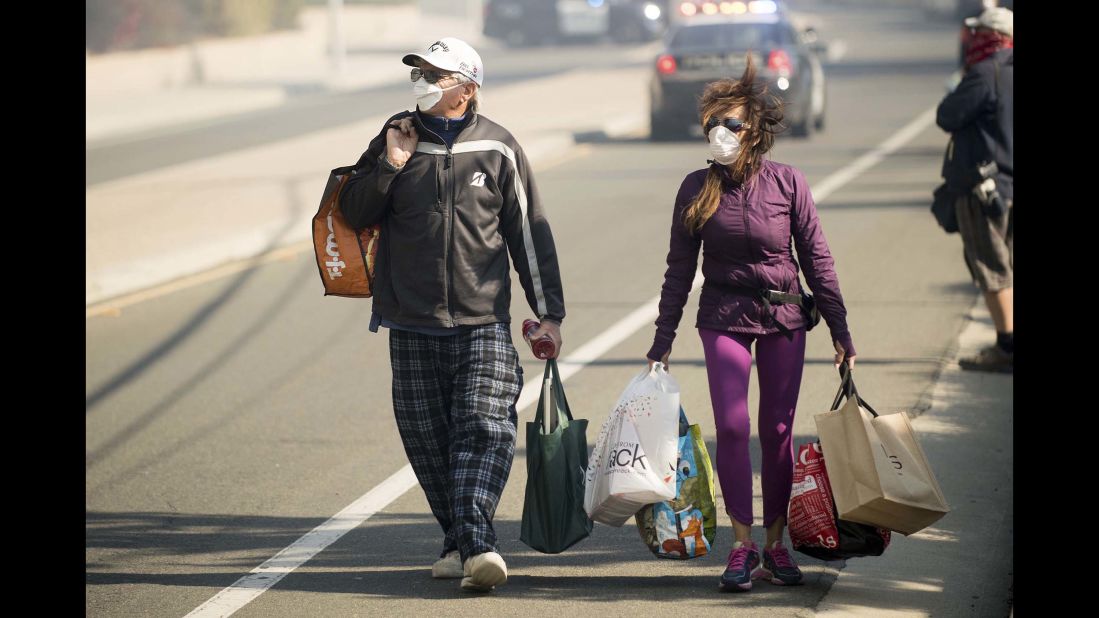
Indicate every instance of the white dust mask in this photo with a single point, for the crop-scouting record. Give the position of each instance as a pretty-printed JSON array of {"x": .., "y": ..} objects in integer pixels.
[
  {"x": 724, "y": 145},
  {"x": 428, "y": 95}
]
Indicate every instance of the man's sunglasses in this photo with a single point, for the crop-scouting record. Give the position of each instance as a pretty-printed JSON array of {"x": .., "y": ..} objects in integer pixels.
[
  {"x": 732, "y": 124},
  {"x": 429, "y": 75}
]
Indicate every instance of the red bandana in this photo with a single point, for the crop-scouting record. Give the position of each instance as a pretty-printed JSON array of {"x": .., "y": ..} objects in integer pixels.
[{"x": 984, "y": 43}]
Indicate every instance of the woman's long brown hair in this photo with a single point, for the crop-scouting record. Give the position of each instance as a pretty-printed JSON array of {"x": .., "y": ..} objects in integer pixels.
[{"x": 762, "y": 111}]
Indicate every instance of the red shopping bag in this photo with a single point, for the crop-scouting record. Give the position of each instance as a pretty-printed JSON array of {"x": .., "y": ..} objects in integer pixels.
[{"x": 815, "y": 529}]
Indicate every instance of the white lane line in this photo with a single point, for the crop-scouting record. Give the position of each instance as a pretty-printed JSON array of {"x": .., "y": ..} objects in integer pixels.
[
  {"x": 298, "y": 553},
  {"x": 247, "y": 588},
  {"x": 623, "y": 329},
  {"x": 269, "y": 573},
  {"x": 875, "y": 156}
]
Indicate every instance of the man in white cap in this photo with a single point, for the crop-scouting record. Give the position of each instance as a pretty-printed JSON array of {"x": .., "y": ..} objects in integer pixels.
[
  {"x": 995, "y": 19},
  {"x": 979, "y": 168},
  {"x": 454, "y": 195}
]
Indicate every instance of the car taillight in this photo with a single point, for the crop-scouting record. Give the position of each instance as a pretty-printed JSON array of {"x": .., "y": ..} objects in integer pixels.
[
  {"x": 665, "y": 64},
  {"x": 779, "y": 62},
  {"x": 734, "y": 8},
  {"x": 688, "y": 8}
]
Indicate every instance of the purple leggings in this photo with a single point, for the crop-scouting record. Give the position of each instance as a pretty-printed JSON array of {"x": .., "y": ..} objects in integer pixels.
[{"x": 728, "y": 365}]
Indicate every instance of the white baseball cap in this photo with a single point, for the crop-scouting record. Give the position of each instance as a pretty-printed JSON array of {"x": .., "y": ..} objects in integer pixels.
[
  {"x": 451, "y": 54},
  {"x": 996, "y": 18}
]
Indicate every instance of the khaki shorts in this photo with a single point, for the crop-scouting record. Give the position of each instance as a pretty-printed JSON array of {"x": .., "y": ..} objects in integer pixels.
[{"x": 987, "y": 244}]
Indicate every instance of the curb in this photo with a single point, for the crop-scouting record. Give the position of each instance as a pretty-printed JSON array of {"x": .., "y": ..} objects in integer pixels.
[{"x": 961, "y": 402}]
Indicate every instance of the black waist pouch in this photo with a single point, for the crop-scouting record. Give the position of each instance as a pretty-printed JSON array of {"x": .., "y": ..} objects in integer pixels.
[{"x": 809, "y": 308}]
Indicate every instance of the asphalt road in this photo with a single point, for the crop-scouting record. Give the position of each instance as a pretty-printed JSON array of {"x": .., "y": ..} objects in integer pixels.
[{"x": 227, "y": 419}]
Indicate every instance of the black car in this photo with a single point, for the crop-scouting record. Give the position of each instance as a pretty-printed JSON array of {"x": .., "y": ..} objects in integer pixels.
[
  {"x": 533, "y": 22},
  {"x": 703, "y": 50}
]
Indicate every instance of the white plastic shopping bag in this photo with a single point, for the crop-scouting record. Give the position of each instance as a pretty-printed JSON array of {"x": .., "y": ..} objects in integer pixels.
[{"x": 634, "y": 460}]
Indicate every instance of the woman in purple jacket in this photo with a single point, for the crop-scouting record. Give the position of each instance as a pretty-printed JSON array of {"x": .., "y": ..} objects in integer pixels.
[{"x": 746, "y": 210}]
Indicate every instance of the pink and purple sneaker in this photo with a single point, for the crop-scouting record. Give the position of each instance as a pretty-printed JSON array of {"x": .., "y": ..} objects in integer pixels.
[
  {"x": 778, "y": 567},
  {"x": 743, "y": 558}
]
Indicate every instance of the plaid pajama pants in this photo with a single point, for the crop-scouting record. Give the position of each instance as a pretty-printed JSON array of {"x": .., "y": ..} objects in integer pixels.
[{"x": 454, "y": 400}]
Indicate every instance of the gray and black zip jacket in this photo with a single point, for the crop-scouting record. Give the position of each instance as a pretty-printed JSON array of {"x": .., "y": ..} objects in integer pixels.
[{"x": 449, "y": 218}]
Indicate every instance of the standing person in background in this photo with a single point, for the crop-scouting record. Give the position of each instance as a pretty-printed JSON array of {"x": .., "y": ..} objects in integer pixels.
[
  {"x": 746, "y": 210},
  {"x": 454, "y": 194},
  {"x": 979, "y": 116}
]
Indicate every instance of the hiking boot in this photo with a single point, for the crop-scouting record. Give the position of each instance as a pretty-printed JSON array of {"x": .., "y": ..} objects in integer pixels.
[
  {"x": 448, "y": 567},
  {"x": 778, "y": 567},
  {"x": 484, "y": 572},
  {"x": 993, "y": 358},
  {"x": 743, "y": 558}
]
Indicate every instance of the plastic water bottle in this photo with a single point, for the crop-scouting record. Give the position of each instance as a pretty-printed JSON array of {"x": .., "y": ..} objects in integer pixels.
[{"x": 543, "y": 347}]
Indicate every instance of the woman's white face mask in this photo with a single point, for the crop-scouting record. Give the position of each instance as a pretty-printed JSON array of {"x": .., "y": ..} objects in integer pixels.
[
  {"x": 428, "y": 95},
  {"x": 724, "y": 145}
]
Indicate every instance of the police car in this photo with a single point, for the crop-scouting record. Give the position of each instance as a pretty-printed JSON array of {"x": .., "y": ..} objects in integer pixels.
[
  {"x": 709, "y": 41},
  {"x": 532, "y": 22}
]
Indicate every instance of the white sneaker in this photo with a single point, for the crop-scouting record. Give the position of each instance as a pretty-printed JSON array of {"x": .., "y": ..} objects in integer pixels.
[
  {"x": 448, "y": 567},
  {"x": 484, "y": 572}
]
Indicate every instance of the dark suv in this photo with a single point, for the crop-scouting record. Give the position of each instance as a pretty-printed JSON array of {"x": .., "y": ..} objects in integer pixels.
[{"x": 704, "y": 50}]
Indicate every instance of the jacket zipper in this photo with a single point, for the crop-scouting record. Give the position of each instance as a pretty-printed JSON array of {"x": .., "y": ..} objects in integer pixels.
[
  {"x": 748, "y": 232},
  {"x": 449, "y": 167},
  {"x": 747, "y": 227},
  {"x": 449, "y": 192}
]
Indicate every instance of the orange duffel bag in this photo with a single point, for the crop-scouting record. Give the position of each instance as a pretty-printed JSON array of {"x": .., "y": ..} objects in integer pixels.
[{"x": 345, "y": 257}]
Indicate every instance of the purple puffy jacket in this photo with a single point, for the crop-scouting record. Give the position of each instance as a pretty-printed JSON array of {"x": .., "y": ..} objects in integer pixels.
[{"x": 748, "y": 245}]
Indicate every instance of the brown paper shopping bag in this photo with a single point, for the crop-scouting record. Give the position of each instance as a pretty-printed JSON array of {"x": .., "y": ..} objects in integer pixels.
[
  {"x": 345, "y": 256},
  {"x": 880, "y": 475}
]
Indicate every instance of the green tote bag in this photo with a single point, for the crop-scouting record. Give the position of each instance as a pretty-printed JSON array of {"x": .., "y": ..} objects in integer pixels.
[{"x": 557, "y": 458}]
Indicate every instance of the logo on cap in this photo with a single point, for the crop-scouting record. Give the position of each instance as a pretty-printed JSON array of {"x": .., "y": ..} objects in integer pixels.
[{"x": 437, "y": 45}]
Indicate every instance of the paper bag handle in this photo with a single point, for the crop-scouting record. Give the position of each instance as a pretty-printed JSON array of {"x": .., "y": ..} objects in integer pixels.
[{"x": 847, "y": 389}]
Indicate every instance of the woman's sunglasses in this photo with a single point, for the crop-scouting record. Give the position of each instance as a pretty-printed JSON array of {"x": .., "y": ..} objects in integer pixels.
[
  {"x": 430, "y": 75},
  {"x": 732, "y": 124}
]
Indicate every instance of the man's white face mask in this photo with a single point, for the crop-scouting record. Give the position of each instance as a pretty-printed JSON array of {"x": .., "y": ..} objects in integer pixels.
[{"x": 428, "y": 95}]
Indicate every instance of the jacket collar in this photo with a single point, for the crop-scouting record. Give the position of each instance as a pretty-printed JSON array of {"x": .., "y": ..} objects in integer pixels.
[
  {"x": 725, "y": 175},
  {"x": 427, "y": 134}
]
